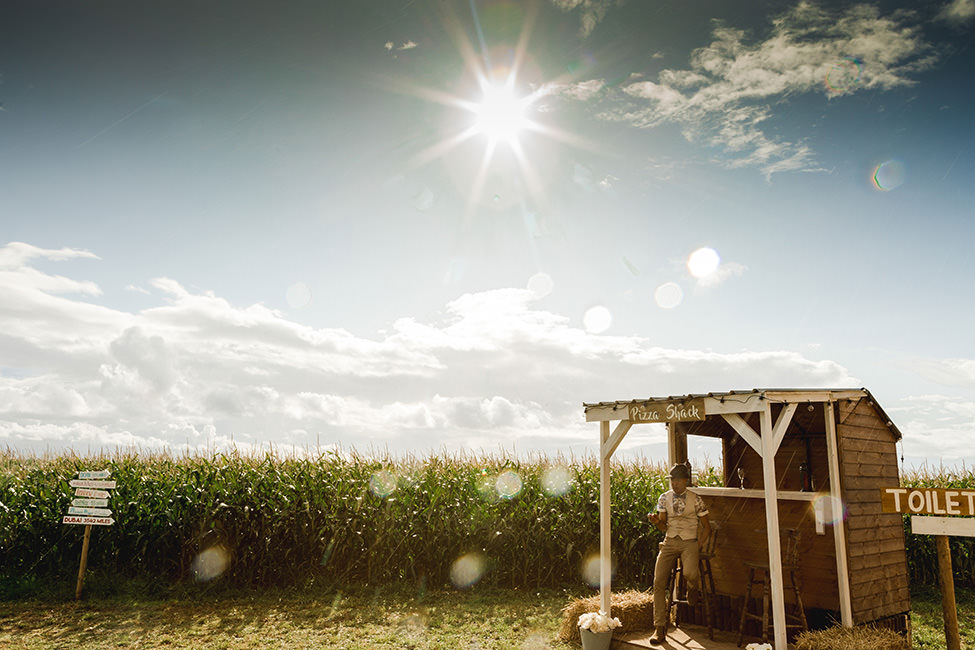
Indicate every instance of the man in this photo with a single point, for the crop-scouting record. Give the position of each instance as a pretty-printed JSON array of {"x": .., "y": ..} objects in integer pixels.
[{"x": 678, "y": 513}]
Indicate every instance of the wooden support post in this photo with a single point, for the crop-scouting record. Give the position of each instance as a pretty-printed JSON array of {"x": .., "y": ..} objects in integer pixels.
[
  {"x": 672, "y": 443},
  {"x": 836, "y": 516},
  {"x": 605, "y": 552},
  {"x": 84, "y": 563},
  {"x": 772, "y": 528},
  {"x": 952, "y": 635}
]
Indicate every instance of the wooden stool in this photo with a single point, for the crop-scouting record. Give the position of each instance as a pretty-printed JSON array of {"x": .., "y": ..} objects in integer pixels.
[
  {"x": 790, "y": 567},
  {"x": 676, "y": 585}
]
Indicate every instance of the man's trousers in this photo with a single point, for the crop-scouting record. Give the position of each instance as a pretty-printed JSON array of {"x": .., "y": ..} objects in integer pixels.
[{"x": 672, "y": 548}]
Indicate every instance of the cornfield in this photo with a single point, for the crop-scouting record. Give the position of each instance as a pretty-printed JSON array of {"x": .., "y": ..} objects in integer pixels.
[{"x": 350, "y": 518}]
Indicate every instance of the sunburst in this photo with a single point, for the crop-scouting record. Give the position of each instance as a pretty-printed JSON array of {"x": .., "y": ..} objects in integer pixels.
[{"x": 502, "y": 112}]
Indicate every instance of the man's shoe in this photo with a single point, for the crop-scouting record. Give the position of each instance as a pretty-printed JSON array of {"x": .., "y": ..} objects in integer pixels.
[
  {"x": 659, "y": 634},
  {"x": 693, "y": 597}
]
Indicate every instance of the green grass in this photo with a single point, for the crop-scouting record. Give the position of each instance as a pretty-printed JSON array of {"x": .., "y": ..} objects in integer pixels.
[
  {"x": 392, "y": 616},
  {"x": 360, "y": 618},
  {"x": 927, "y": 617}
]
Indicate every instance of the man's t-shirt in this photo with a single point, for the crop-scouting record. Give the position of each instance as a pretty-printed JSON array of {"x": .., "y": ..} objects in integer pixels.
[{"x": 683, "y": 511}]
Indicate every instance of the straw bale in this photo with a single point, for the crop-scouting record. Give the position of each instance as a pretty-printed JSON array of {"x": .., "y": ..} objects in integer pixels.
[
  {"x": 862, "y": 637},
  {"x": 633, "y": 608}
]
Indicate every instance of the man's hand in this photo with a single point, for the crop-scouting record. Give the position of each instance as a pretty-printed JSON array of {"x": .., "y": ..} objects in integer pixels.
[{"x": 653, "y": 518}]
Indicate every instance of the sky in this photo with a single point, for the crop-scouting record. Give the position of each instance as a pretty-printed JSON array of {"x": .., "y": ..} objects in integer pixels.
[{"x": 421, "y": 227}]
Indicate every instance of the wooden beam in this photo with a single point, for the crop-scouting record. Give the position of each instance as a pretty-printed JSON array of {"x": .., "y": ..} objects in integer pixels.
[
  {"x": 614, "y": 441},
  {"x": 778, "y": 431},
  {"x": 745, "y": 403},
  {"x": 772, "y": 527},
  {"x": 672, "y": 443},
  {"x": 746, "y": 432},
  {"x": 751, "y": 403},
  {"x": 839, "y": 524},
  {"x": 606, "y": 413},
  {"x": 805, "y": 396},
  {"x": 943, "y": 526},
  {"x": 605, "y": 552}
]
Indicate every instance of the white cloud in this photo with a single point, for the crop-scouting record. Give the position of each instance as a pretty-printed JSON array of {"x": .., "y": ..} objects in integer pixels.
[
  {"x": 936, "y": 428},
  {"x": 947, "y": 372},
  {"x": 580, "y": 91},
  {"x": 959, "y": 12},
  {"x": 16, "y": 254},
  {"x": 724, "y": 271},
  {"x": 726, "y": 96},
  {"x": 592, "y": 12},
  {"x": 196, "y": 371}
]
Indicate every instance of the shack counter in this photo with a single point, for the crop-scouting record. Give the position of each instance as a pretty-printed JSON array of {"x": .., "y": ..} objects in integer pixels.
[{"x": 813, "y": 461}]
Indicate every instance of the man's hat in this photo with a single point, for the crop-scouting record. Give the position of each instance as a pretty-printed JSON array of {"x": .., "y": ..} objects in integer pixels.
[{"x": 680, "y": 470}]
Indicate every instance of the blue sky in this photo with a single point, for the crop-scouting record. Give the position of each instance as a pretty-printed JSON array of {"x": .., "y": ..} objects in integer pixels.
[{"x": 252, "y": 223}]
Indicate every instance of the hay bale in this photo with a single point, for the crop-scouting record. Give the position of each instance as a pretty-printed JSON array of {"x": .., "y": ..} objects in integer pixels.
[
  {"x": 863, "y": 637},
  {"x": 633, "y": 608}
]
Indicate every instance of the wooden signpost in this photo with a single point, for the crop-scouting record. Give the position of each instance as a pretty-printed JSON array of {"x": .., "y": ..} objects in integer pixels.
[
  {"x": 920, "y": 502},
  {"x": 89, "y": 510}
]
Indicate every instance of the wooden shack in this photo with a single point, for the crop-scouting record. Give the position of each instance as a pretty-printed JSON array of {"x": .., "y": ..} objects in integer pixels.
[{"x": 812, "y": 461}]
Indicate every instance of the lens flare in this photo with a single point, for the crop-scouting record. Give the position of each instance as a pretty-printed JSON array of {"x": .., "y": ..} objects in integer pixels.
[
  {"x": 500, "y": 115},
  {"x": 556, "y": 481},
  {"x": 590, "y": 570},
  {"x": 703, "y": 262},
  {"x": 668, "y": 295},
  {"x": 844, "y": 75},
  {"x": 541, "y": 284},
  {"x": 298, "y": 295},
  {"x": 487, "y": 486},
  {"x": 382, "y": 484},
  {"x": 467, "y": 570},
  {"x": 508, "y": 484},
  {"x": 414, "y": 622},
  {"x": 889, "y": 175},
  {"x": 597, "y": 319},
  {"x": 829, "y": 510},
  {"x": 210, "y": 564}
]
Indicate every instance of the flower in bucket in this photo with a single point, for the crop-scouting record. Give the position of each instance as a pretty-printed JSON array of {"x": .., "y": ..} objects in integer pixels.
[
  {"x": 758, "y": 646},
  {"x": 598, "y": 622}
]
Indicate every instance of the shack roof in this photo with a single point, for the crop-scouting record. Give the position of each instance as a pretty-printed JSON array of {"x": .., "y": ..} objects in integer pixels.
[{"x": 772, "y": 395}]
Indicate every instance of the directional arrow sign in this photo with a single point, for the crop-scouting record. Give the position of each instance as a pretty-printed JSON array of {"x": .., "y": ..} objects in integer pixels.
[
  {"x": 102, "y": 473},
  {"x": 94, "y": 494},
  {"x": 83, "y": 483},
  {"x": 90, "y": 512},
  {"x": 88, "y": 521},
  {"x": 89, "y": 503}
]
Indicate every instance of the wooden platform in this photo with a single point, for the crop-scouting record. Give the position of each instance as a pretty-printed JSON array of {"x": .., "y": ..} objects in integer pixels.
[{"x": 685, "y": 637}]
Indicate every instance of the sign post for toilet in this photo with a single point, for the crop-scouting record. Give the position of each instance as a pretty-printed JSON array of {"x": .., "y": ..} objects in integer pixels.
[
  {"x": 927, "y": 507},
  {"x": 93, "y": 490}
]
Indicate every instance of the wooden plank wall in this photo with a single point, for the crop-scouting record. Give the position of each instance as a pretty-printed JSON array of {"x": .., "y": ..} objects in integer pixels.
[
  {"x": 875, "y": 540},
  {"x": 742, "y": 538}
]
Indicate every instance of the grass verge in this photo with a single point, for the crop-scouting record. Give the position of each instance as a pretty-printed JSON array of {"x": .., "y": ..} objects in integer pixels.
[
  {"x": 388, "y": 617},
  {"x": 927, "y": 617},
  {"x": 357, "y": 618}
]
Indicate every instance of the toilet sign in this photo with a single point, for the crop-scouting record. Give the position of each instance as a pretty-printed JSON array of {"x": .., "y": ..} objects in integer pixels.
[
  {"x": 928, "y": 501},
  {"x": 959, "y": 505}
]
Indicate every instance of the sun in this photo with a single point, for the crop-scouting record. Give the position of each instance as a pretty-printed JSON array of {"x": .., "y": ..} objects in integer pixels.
[{"x": 500, "y": 115}]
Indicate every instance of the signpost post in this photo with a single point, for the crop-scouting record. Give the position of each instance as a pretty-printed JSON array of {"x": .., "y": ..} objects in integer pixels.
[
  {"x": 937, "y": 501},
  {"x": 89, "y": 511}
]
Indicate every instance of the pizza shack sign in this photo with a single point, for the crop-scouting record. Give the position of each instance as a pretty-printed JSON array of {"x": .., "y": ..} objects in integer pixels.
[{"x": 683, "y": 411}]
